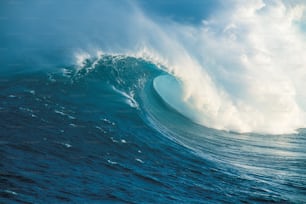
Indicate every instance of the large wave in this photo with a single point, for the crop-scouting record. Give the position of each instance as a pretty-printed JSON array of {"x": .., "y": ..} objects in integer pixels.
[
  {"x": 241, "y": 69},
  {"x": 244, "y": 69}
]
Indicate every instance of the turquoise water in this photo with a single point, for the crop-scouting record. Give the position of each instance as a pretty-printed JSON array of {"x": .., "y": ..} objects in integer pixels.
[
  {"x": 97, "y": 108},
  {"x": 107, "y": 136}
]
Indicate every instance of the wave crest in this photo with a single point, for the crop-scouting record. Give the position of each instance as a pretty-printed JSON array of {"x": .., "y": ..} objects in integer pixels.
[{"x": 242, "y": 69}]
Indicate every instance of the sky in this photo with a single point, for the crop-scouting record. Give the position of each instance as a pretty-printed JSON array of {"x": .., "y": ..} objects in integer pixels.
[{"x": 235, "y": 58}]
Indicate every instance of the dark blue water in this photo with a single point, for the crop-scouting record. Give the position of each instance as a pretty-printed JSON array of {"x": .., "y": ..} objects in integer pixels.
[
  {"x": 96, "y": 131},
  {"x": 75, "y": 137}
]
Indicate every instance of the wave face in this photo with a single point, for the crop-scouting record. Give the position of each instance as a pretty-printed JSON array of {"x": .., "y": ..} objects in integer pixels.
[
  {"x": 242, "y": 65},
  {"x": 237, "y": 68},
  {"x": 103, "y": 132},
  {"x": 201, "y": 103}
]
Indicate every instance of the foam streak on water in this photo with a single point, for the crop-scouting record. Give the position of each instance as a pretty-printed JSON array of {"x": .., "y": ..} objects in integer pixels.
[
  {"x": 242, "y": 69},
  {"x": 143, "y": 120}
]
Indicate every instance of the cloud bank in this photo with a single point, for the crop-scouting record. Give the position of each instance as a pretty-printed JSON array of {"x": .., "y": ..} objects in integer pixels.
[{"x": 243, "y": 67}]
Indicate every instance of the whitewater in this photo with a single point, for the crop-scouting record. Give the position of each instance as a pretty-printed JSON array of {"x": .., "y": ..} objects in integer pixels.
[
  {"x": 153, "y": 102},
  {"x": 241, "y": 70}
]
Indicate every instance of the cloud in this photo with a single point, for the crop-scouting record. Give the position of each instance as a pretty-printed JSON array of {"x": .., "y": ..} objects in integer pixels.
[{"x": 243, "y": 69}]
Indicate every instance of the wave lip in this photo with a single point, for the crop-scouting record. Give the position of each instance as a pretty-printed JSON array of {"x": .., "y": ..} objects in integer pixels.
[{"x": 268, "y": 108}]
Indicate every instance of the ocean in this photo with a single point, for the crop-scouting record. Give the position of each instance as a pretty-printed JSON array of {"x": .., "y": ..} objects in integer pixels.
[{"x": 152, "y": 101}]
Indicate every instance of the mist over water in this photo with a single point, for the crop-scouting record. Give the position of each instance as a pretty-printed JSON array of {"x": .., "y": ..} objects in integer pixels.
[
  {"x": 242, "y": 65},
  {"x": 140, "y": 101},
  {"x": 243, "y": 68}
]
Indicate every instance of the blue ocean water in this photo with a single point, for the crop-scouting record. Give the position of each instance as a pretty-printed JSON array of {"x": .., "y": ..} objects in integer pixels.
[{"x": 123, "y": 125}]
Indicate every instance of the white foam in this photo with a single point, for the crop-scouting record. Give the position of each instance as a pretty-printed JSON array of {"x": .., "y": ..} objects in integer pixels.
[
  {"x": 129, "y": 97},
  {"x": 11, "y": 192},
  {"x": 67, "y": 145},
  {"x": 112, "y": 162},
  {"x": 139, "y": 160},
  {"x": 242, "y": 69},
  {"x": 81, "y": 58}
]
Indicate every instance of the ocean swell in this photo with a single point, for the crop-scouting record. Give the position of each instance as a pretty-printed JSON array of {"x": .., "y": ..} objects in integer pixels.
[{"x": 241, "y": 68}]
